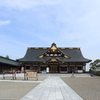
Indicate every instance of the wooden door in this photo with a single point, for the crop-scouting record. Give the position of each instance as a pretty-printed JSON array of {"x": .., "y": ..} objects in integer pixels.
[{"x": 53, "y": 69}]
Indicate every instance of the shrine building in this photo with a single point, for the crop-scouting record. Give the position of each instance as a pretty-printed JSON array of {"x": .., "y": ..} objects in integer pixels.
[{"x": 53, "y": 60}]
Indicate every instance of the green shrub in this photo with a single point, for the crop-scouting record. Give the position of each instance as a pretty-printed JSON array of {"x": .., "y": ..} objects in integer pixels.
[{"x": 96, "y": 73}]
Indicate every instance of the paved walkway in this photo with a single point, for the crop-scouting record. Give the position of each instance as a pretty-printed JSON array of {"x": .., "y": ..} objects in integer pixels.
[{"x": 52, "y": 88}]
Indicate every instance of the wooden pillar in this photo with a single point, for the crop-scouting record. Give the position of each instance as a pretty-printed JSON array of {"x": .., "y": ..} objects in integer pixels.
[
  {"x": 84, "y": 68},
  {"x": 22, "y": 69},
  {"x": 0, "y": 68},
  {"x": 59, "y": 69},
  {"x": 76, "y": 68},
  {"x": 25, "y": 76},
  {"x": 68, "y": 68},
  {"x": 39, "y": 68},
  {"x": 31, "y": 67}
]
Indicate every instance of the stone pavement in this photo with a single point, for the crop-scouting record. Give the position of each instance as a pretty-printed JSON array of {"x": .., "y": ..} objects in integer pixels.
[{"x": 52, "y": 88}]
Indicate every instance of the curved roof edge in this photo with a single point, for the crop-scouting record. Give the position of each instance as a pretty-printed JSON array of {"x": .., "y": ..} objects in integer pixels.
[
  {"x": 32, "y": 55},
  {"x": 9, "y": 61}
]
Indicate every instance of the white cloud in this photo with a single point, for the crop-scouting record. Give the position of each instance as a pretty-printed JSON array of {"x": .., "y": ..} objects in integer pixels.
[{"x": 4, "y": 22}]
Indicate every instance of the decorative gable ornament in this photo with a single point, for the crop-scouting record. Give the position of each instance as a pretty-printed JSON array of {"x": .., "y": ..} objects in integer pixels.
[
  {"x": 53, "y": 60},
  {"x": 41, "y": 56},
  {"x": 53, "y": 47}
]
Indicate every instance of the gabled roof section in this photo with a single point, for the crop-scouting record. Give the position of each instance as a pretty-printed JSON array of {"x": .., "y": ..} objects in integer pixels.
[
  {"x": 9, "y": 61},
  {"x": 54, "y": 50},
  {"x": 69, "y": 54}
]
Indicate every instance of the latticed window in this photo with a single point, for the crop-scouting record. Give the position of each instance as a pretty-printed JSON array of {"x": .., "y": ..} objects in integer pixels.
[
  {"x": 27, "y": 67},
  {"x": 63, "y": 68},
  {"x": 80, "y": 68}
]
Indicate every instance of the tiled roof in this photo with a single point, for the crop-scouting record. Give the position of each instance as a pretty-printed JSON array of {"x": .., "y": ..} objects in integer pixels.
[
  {"x": 9, "y": 61},
  {"x": 74, "y": 54}
]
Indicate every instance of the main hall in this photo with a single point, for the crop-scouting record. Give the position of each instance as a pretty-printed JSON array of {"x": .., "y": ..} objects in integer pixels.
[{"x": 53, "y": 60}]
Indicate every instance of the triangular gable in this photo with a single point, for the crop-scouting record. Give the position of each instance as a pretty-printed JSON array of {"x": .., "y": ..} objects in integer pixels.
[{"x": 53, "y": 52}]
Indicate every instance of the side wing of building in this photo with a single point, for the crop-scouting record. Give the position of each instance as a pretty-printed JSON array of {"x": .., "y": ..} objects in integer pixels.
[{"x": 8, "y": 64}]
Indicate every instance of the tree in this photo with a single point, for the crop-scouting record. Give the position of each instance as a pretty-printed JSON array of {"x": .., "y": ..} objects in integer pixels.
[
  {"x": 7, "y": 57},
  {"x": 95, "y": 65},
  {"x": 92, "y": 68}
]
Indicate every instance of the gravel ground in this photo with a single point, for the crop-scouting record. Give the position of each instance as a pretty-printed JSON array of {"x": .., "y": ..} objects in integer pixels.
[
  {"x": 87, "y": 87},
  {"x": 16, "y": 90}
]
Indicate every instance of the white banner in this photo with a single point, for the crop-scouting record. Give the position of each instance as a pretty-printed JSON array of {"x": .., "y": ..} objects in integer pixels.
[{"x": 47, "y": 69}]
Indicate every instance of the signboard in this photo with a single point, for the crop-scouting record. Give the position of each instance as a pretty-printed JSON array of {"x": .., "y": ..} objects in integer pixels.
[{"x": 32, "y": 75}]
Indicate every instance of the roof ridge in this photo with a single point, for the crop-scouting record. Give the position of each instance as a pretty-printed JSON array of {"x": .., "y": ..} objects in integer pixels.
[
  {"x": 57, "y": 47},
  {"x": 8, "y": 59}
]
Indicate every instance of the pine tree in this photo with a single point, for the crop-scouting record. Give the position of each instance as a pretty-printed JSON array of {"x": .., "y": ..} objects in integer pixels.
[{"x": 7, "y": 57}]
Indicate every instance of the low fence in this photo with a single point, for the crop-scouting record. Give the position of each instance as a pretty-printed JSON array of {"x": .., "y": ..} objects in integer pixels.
[
  {"x": 5, "y": 72},
  {"x": 27, "y": 74}
]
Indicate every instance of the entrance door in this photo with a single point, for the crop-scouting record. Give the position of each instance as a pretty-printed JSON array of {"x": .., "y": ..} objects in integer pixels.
[{"x": 53, "y": 69}]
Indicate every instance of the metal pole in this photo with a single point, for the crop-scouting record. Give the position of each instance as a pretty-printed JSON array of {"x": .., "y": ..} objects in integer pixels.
[
  {"x": 72, "y": 72},
  {"x": 3, "y": 75},
  {"x": 24, "y": 72},
  {"x": 15, "y": 75}
]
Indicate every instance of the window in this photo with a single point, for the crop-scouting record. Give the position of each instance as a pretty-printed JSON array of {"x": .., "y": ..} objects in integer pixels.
[
  {"x": 63, "y": 68},
  {"x": 35, "y": 68},
  {"x": 27, "y": 67},
  {"x": 80, "y": 68},
  {"x": 43, "y": 68}
]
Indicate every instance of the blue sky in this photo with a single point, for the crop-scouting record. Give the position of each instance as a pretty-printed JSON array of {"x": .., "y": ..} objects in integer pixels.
[{"x": 39, "y": 23}]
